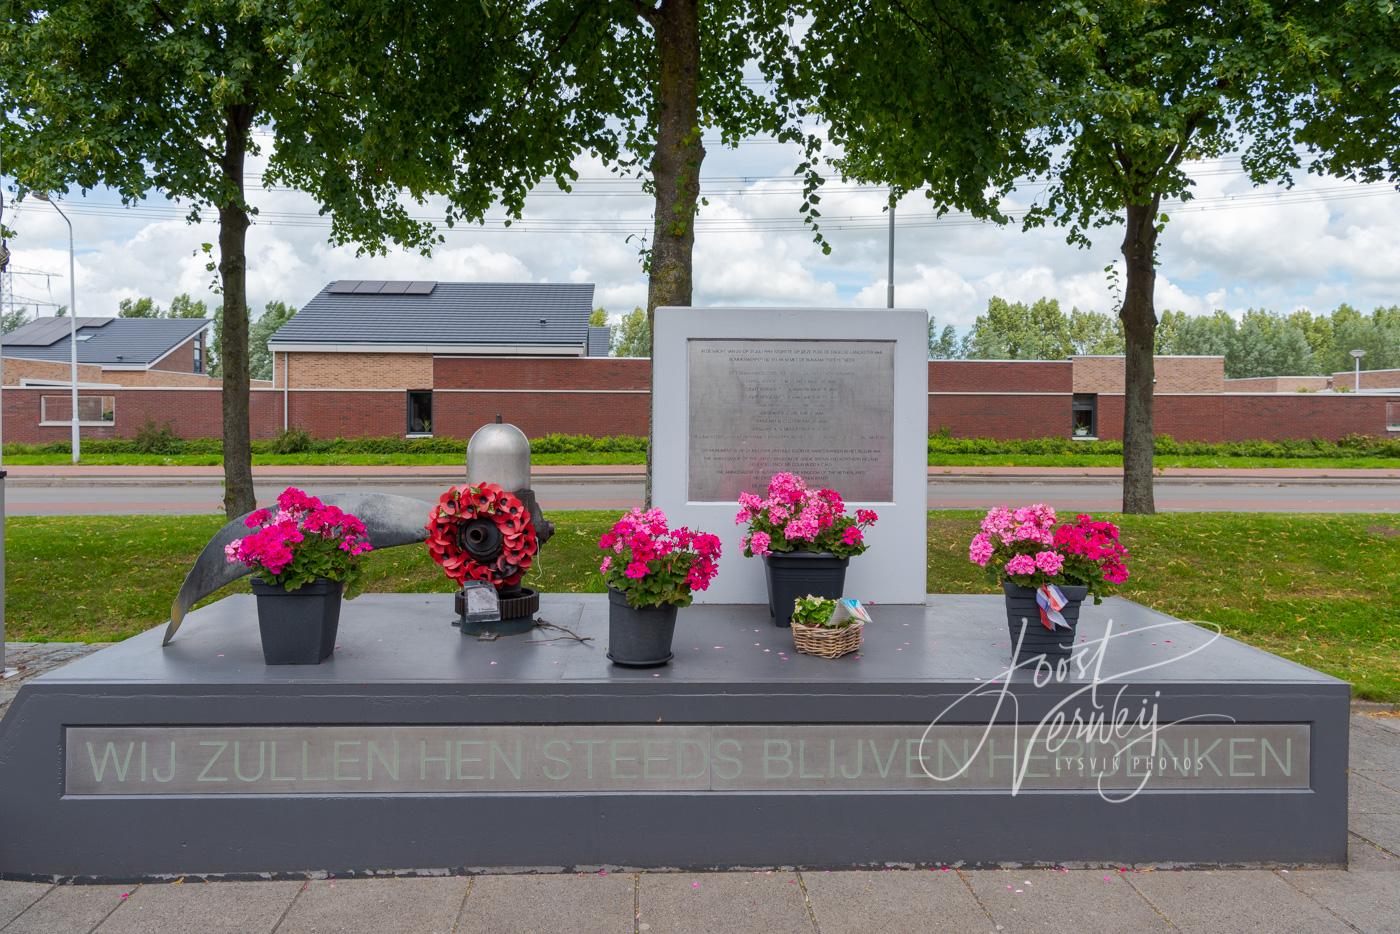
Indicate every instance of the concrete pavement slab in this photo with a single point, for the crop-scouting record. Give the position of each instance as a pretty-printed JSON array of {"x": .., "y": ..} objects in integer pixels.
[
  {"x": 1391, "y": 780},
  {"x": 1048, "y": 901},
  {"x": 15, "y": 897},
  {"x": 1369, "y": 754},
  {"x": 722, "y": 903},
  {"x": 1363, "y": 856},
  {"x": 1381, "y": 829},
  {"x": 377, "y": 906},
  {"x": 1367, "y": 795},
  {"x": 1366, "y": 899},
  {"x": 206, "y": 907},
  {"x": 1374, "y": 746},
  {"x": 896, "y": 900},
  {"x": 69, "y": 909},
  {"x": 582, "y": 903},
  {"x": 1230, "y": 901}
]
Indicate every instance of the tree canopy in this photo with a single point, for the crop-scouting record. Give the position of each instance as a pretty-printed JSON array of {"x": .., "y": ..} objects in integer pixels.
[
  {"x": 632, "y": 335},
  {"x": 1092, "y": 112},
  {"x": 181, "y": 306},
  {"x": 187, "y": 91}
]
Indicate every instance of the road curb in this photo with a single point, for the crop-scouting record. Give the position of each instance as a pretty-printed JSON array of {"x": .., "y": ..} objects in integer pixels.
[{"x": 448, "y": 479}]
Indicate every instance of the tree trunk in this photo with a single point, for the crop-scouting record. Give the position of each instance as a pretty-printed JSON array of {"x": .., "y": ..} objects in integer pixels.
[
  {"x": 675, "y": 165},
  {"x": 233, "y": 336},
  {"x": 1139, "y": 333}
]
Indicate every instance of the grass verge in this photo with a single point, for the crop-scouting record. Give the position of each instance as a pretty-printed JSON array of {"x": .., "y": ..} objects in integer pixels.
[{"x": 1322, "y": 590}]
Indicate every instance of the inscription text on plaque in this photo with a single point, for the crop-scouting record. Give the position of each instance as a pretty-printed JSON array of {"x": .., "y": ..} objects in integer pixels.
[
  {"x": 279, "y": 760},
  {"x": 823, "y": 409}
]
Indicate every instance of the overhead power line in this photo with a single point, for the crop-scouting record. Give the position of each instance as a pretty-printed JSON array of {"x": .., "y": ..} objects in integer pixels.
[{"x": 832, "y": 222}]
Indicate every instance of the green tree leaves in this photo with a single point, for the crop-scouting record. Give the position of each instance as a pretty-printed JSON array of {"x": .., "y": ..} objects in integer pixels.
[{"x": 632, "y": 336}]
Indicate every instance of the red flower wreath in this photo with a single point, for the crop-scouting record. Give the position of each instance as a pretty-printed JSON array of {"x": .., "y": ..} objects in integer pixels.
[{"x": 461, "y": 512}]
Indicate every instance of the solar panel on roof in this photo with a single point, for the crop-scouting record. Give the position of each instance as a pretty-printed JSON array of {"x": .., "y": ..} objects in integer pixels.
[
  {"x": 369, "y": 287},
  {"x": 394, "y": 288},
  {"x": 342, "y": 286},
  {"x": 44, "y": 332},
  {"x": 420, "y": 287}
]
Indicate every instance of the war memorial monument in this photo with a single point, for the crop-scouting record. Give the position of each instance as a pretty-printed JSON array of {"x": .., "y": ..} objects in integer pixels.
[{"x": 414, "y": 748}]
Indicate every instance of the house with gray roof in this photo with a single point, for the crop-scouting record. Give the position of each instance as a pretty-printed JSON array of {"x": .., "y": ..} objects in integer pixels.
[
  {"x": 415, "y": 317},
  {"x": 115, "y": 345},
  {"x": 422, "y": 341}
]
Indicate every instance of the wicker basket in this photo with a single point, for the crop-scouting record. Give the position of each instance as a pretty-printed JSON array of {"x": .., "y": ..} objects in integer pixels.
[{"x": 826, "y": 642}]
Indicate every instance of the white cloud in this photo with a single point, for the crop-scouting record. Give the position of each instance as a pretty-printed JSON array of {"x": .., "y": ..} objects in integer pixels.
[{"x": 1310, "y": 249}]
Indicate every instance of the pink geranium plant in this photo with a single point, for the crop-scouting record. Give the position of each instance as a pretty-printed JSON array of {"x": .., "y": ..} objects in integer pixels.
[
  {"x": 796, "y": 517},
  {"x": 653, "y": 564},
  {"x": 303, "y": 541},
  {"x": 1029, "y": 547}
]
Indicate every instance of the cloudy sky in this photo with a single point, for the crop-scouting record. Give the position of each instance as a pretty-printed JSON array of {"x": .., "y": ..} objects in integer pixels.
[{"x": 1322, "y": 243}]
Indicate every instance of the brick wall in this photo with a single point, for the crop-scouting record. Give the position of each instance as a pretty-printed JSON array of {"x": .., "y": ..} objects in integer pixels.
[
  {"x": 1277, "y": 384},
  {"x": 967, "y": 415},
  {"x": 1262, "y": 416},
  {"x": 999, "y": 375},
  {"x": 330, "y": 414},
  {"x": 181, "y": 359},
  {"x": 192, "y": 413},
  {"x": 17, "y": 369},
  {"x": 541, "y": 373},
  {"x": 1174, "y": 374},
  {"x": 1370, "y": 379},
  {"x": 159, "y": 378},
  {"x": 605, "y": 397},
  {"x": 355, "y": 371},
  {"x": 458, "y": 414}
]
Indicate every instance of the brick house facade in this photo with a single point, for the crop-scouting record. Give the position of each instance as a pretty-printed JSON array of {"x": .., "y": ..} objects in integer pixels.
[
  {"x": 423, "y": 358},
  {"x": 610, "y": 396}
]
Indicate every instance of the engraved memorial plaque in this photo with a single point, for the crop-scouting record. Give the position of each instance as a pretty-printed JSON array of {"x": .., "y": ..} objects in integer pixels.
[
  {"x": 823, "y": 409},
  {"x": 449, "y": 758}
]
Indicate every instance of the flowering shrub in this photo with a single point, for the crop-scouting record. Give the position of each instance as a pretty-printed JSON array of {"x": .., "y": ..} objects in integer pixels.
[
  {"x": 301, "y": 542},
  {"x": 1027, "y": 547},
  {"x": 795, "y": 517},
  {"x": 655, "y": 565}
]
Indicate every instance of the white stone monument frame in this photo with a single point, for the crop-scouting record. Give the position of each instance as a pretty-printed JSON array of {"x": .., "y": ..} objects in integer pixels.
[{"x": 894, "y": 570}]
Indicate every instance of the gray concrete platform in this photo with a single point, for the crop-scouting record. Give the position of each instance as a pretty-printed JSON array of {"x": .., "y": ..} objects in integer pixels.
[
  {"x": 100, "y": 752},
  {"x": 1365, "y": 897}
]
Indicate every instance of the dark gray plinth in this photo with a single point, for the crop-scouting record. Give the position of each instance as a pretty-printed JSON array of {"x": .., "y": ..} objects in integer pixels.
[{"x": 401, "y": 663}]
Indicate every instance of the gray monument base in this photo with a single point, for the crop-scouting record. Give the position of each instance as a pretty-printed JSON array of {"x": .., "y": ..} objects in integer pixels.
[{"x": 414, "y": 749}]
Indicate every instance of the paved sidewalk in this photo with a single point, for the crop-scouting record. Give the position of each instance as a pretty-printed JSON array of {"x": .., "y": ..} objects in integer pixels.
[{"x": 1363, "y": 898}]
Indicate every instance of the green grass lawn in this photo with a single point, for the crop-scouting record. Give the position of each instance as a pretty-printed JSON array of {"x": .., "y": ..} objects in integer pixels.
[
  {"x": 623, "y": 457},
  {"x": 1323, "y": 590}
]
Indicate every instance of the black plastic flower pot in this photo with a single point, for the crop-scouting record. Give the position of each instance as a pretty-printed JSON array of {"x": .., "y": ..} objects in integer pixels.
[
  {"x": 1022, "y": 612},
  {"x": 793, "y": 574},
  {"x": 639, "y": 638},
  {"x": 298, "y": 626}
]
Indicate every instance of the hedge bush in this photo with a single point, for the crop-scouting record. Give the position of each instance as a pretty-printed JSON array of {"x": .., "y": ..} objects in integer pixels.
[
  {"x": 156, "y": 439},
  {"x": 1349, "y": 446}
]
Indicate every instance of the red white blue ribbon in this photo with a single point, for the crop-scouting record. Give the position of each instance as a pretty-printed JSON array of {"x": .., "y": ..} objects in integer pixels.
[{"x": 1051, "y": 601}]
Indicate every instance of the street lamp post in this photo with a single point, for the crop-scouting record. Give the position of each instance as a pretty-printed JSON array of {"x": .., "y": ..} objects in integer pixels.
[
  {"x": 72, "y": 325},
  {"x": 1357, "y": 355},
  {"x": 889, "y": 284}
]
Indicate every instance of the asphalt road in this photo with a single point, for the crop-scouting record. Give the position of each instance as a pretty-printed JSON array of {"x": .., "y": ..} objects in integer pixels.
[{"x": 29, "y": 498}]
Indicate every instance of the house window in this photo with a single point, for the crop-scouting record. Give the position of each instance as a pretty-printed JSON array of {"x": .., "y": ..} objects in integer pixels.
[
  {"x": 1085, "y": 412},
  {"x": 1392, "y": 416},
  {"x": 92, "y": 410},
  {"x": 199, "y": 355},
  {"x": 420, "y": 411}
]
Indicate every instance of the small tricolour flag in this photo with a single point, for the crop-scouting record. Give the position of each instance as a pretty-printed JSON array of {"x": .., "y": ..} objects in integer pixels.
[{"x": 1051, "y": 601}]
